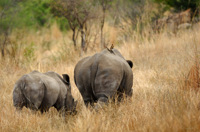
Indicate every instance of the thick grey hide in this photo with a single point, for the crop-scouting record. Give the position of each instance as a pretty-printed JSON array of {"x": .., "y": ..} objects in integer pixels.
[
  {"x": 40, "y": 91},
  {"x": 103, "y": 75}
]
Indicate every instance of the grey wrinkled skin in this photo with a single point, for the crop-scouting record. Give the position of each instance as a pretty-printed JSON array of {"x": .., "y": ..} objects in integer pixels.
[
  {"x": 40, "y": 91},
  {"x": 102, "y": 76}
]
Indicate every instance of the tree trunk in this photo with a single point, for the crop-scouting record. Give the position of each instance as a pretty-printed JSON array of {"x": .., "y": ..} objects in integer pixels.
[
  {"x": 102, "y": 39},
  {"x": 74, "y": 37},
  {"x": 3, "y": 45},
  {"x": 82, "y": 41},
  {"x": 2, "y": 52},
  {"x": 102, "y": 25}
]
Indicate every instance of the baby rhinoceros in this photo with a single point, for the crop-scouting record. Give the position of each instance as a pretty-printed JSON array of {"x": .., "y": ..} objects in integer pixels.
[{"x": 40, "y": 91}]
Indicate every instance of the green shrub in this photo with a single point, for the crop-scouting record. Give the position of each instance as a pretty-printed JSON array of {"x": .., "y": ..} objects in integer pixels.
[
  {"x": 63, "y": 23},
  {"x": 34, "y": 13},
  {"x": 180, "y": 4},
  {"x": 28, "y": 14},
  {"x": 29, "y": 53}
]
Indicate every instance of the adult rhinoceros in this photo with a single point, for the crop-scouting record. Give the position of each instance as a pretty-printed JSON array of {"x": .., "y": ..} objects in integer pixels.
[
  {"x": 103, "y": 75},
  {"x": 40, "y": 91}
]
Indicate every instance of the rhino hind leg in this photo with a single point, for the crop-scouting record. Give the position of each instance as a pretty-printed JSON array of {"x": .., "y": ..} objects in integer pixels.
[
  {"x": 87, "y": 95},
  {"x": 102, "y": 101},
  {"x": 44, "y": 110},
  {"x": 19, "y": 107},
  {"x": 89, "y": 99},
  {"x": 88, "y": 102},
  {"x": 59, "y": 105},
  {"x": 121, "y": 96}
]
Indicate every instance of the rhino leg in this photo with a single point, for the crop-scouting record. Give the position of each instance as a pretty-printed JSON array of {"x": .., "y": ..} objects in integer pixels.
[
  {"x": 87, "y": 95},
  {"x": 128, "y": 88},
  {"x": 88, "y": 102},
  {"x": 125, "y": 88},
  {"x": 42, "y": 110},
  {"x": 102, "y": 101},
  {"x": 59, "y": 105}
]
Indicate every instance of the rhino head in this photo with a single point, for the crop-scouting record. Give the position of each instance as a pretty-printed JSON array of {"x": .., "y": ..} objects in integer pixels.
[{"x": 70, "y": 104}]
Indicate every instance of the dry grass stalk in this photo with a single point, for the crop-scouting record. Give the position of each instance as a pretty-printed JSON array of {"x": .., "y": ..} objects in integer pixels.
[{"x": 193, "y": 78}]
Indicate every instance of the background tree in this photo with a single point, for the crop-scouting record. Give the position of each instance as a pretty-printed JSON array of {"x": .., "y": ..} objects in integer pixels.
[
  {"x": 132, "y": 17},
  {"x": 105, "y": 5},
  {"x": 78, "y": 13},
  {"x": 65, "y": 8},
  {"x": 180, "y": 5},
  {"x": 6, "y": 14}
]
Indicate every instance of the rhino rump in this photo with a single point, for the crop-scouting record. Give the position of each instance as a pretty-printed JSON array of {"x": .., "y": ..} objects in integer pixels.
[{"x": 35, "y": 93}]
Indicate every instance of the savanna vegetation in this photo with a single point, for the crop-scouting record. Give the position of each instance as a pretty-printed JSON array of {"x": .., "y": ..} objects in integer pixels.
[{"x": 48, "y": 35}]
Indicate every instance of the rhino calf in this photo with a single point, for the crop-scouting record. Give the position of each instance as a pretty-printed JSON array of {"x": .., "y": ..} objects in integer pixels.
[
  {"x": 40, "y": 91},
  {"x": 103, "y": 75}
]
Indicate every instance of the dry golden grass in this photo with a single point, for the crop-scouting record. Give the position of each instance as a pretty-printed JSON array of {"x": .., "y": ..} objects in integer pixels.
[{"x": 159, "y": 102}]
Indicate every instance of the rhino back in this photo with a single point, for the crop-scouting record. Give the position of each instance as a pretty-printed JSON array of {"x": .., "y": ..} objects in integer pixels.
[{"x": 114, "y": 51}]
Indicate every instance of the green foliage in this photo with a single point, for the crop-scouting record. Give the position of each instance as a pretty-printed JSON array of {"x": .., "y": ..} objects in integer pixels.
[
  {"x": 5, "y": 22},
  {"x": 29, "y": 53},
  {"x": 63, "y": 23},
  {"x": 33, "y": 13},
  {"x": 4, "y": 3},
  {"x": 180, "y": 4},
  {"x": 28, "y": 14}
]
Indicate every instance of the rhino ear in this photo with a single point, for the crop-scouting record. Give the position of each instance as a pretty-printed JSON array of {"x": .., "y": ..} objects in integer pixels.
[
  {"x": 66, "y": 78},
  {"x": 130, "y": 63}
]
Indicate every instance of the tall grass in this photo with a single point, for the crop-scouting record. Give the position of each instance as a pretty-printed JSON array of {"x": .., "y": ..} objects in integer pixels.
[
  {"x": 193, "y": 78},
  {"x": 159, "y": 102}
]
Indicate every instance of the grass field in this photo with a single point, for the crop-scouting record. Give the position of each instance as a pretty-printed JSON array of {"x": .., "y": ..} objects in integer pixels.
[{"x": 162, "y": 100}]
